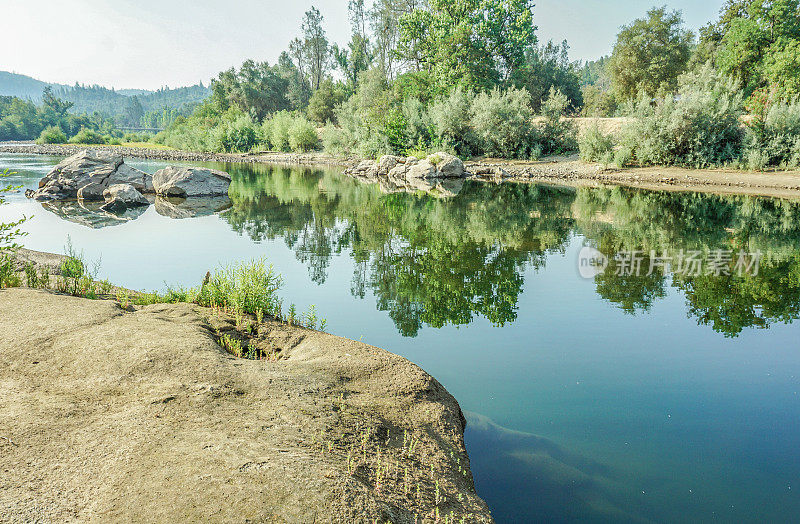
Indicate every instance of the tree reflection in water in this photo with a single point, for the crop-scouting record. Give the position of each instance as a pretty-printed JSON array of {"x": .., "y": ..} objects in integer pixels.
[{"x": 434, "y": 262}]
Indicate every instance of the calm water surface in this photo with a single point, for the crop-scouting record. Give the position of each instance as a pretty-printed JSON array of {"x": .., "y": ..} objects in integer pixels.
[{"x": 662, "y": 397}]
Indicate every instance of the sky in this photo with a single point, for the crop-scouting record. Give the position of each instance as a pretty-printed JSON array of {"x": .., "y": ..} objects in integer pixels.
[{"x": 148, "y": 44}]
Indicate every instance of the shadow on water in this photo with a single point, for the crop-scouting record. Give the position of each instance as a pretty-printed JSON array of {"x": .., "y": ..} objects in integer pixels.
[{"x": 559, "y": 485}]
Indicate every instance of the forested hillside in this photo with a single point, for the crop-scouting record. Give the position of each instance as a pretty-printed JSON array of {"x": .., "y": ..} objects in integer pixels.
[
  {"x": 129, "y": 107},
  {"x": 22, "y": 86}
]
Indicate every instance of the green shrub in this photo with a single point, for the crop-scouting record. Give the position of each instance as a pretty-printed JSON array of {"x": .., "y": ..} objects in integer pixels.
[
  {"x": 594, "y": 146},
  {"x": 279, "y": 127},
  {"x": 502, "y": 122},
  {"x": 395, "y": 131},
  {"x": 363, "y": 117},
  {"x": 8, "y": 273},
  {"x": 323, "y": 102},
  {"x": 237, "y": 134},
  {"x": 420, "y": 131},
  {"x": 87, "y": 136},
  {"x": 598, "y": 102},
  {"x": 303, "y": 135},
  {"x": 698, "y": 128},
  {"x": 451, "y": 120},
  {"x": 335, "y": 140},
  {"x": 137, "y": 137},
  {"x": 251, "y": 287},
  {"x": 775, "y": 139},
  {"x": 52, "y": 135},
  {"x": 557, "y": 135}
]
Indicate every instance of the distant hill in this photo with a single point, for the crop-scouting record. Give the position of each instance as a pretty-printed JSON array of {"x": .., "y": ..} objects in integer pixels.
[
  {"x": 22, "y": 86},
  {"x": 124, "y": 105},
  {"x": 134, "y": 92}
]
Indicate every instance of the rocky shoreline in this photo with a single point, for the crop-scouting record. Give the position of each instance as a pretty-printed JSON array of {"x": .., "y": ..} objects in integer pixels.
[
  {"x": 555, "y": 170},
  {"x": 318, "y": 159},
  {"x": 130, "y": 413}
]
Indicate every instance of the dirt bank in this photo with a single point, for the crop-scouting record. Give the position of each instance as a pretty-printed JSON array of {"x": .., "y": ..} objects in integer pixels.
[
  {"x": 571, "y": 171},
  {"x": 137, "y": 414},
  {"x": 558, "y": 170}
]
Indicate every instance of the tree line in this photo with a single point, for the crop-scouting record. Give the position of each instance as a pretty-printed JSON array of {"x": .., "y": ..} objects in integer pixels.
[{"x": 471, "y": 77}]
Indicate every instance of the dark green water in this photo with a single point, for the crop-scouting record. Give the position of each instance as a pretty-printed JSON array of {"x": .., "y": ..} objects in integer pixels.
[{"x": 662, "y": 397}]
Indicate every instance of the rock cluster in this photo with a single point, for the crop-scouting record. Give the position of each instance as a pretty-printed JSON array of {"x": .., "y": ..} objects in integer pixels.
[
  {"x": 87, "y": 174},
  {"x": 440, "y": 173},
  {"x": 100, "y": 182}
]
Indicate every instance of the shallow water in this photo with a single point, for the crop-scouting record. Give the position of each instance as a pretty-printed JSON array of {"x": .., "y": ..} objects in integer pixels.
[{"x": 661, "y": 397}]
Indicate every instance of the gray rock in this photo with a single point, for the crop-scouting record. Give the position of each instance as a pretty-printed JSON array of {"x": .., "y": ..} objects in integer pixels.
[
  {"x": 388, "y": 162},
  {"x": 92, "y": 191},
  {"x": 448, "y": 166},
  {"x": 122, "y": 196},
  {"x": 422, "y": 169},
  {"x": 86, "y": 174},
  {"x": 395, "y": 173},
  {"x": 185, "y": 182}
]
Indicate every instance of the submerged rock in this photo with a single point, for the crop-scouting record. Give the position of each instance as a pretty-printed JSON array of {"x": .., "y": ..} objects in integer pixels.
[
  {"x": 187, "y": 182},
  {"x": 122, "y": 196},
  {"x": 87, "y": 174}
]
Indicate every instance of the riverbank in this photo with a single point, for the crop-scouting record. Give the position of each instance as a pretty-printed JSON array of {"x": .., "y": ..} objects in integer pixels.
[
  {"x": 557, "y": 170},
  {"x": 123, "y": 412}
]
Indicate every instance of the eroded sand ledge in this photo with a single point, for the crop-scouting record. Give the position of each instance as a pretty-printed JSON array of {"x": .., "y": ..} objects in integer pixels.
[{"x": 139, "y": 415}]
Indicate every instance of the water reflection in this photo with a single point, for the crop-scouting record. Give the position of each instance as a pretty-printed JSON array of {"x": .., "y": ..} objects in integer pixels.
[
  {"x": 90, "y": 215},
  {"x": 432, "y": 262},
  {"x": 179, "y": 208},
  {"x": 435, "y": 262}
]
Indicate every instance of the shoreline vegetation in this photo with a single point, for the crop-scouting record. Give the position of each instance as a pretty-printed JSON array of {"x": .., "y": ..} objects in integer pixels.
[
  {"x": 474, "y": 81},
  {"x": 246, "y": 293},
  {"x": 560, "y": 170},
  {"x": 371, "y": 447}
]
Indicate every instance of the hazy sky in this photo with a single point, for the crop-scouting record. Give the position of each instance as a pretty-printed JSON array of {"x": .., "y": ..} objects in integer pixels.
[{"x": 150, "y": 43}]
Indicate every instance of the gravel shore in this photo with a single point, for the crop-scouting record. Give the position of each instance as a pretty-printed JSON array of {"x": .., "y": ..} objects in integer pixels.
[{"x": 556, "y": 170}]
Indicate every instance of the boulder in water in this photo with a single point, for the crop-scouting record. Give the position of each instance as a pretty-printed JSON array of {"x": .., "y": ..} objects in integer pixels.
[
  {"x": 87, "y": 174},
  {"x": 120, "y": 197},
  {"x": 186, "y": 182}
]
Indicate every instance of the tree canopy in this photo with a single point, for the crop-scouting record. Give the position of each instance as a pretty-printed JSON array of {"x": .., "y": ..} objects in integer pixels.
[{"x": 650, "y": 54}]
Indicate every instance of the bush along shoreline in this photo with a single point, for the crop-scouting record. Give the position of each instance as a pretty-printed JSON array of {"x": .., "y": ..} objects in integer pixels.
[{"x": 702, "y": 126}]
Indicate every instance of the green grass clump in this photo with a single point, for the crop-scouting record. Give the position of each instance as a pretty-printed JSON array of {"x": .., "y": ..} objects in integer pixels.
[{"x": 251, "y": 287}]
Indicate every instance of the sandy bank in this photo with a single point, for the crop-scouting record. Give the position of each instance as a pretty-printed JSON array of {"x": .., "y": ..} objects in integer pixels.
[{"x": 137, "y": 414}]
